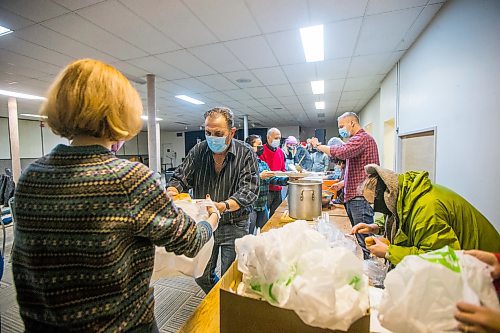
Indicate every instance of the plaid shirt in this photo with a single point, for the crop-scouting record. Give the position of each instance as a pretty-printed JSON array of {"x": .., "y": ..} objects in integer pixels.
[
  {"x": 360, "y": 150},
  {"x": 261, "y": 202}
]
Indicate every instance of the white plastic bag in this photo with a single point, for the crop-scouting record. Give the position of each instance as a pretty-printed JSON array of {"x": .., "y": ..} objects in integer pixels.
[
  {"x": 422, "y": 291},
  {"x": 295, "y": 268},
  {"x": 168, "y": 264}
]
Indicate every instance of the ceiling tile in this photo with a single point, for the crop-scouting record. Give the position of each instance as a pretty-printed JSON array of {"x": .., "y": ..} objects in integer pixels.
[
  {"x": 186, "y": 62},
  {"x": 281, "y": 90},
  {"x": 383, "y": 32},
  {"x": 233, "y": 76},
  {"x": 171, "y": 88},
  {"x": 174, "y": 19},
  {"x": 419, "y": 25},
  {"x": 141, "y": 34},
  {"x": 253, "y": 52},
  {"x": 279, "y": 15},
  {"x": 237, "y": 94},
  {"x": 13, "y": 21},
  {"x": 130, "y": 70},
  {"x": 50, "y": 39},
  {"x": 14, "y": 44},
  {"x": 370, "y": 64},
  {"x": 193, "y": 85},
  {"x": 36, "y": 11},
  {"x": 332, "y": 69},
  {"x": 218, "y": 57},
  {"x": 217, "y": 96},
  {"x": 258, "y": 92},
  {"x": 226, "y": 19},
  {"x": 270, "y": 76},
  {"x": 363, "y": 82},
  {"x": 251, "y": 103},
  {"x": 324, "y": 11},
  {"x": 218, "y": 82},
  {"x": 341, "y": 37},
  {"x": 383, "y": 6},
  {"x": 288, "y": 100},
  {"x": 287, "y": 47},
  {"x": 79, "y": 29},
  {"x": 334, "y": 85},
  {"x": 13, "y": 62},
  {"x": 155, "y": 66},
  {"x": 300, "y": 72},
  {"x": 302, "y": 88},
  {"x": 76, "y": 4}
]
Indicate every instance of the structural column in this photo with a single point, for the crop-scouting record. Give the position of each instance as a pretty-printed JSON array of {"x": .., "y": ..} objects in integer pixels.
[
  {"x": 14, "y": 139},
  {"x": 245, "y": 126},
  {"x": 153, "y": 129}
]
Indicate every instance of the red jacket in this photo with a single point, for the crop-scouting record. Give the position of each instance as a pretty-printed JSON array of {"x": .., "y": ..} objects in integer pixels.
[{"x": 276, "y": 162}]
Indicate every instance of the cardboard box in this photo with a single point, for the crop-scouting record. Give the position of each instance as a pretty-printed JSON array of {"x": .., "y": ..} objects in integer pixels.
[{"x": 240, "y": 314}]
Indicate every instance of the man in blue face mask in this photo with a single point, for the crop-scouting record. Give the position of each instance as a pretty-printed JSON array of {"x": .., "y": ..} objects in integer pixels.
[
  {"x": 360, "y": 150},
  {"x": 227, "y": 170}
]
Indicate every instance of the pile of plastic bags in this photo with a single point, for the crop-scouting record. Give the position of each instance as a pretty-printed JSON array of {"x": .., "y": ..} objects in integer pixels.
[
  {"x": 295, "y": 267},
  {"x": 422, "y": 291}
]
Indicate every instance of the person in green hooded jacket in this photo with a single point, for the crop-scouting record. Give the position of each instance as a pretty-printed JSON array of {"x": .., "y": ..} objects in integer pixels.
[{"x": 421, "y": 216}]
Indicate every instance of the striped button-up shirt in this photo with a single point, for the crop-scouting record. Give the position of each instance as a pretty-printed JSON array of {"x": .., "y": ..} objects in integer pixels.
[
  {"x": 237, "y": 180},
  {"x": 360, "y": 150}
]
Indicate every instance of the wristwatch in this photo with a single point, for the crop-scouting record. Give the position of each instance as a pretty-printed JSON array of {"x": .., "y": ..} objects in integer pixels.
[{"x": 227, "y": 206}]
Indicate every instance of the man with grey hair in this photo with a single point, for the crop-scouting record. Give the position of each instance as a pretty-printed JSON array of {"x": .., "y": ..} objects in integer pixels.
[
  {"x": 275, "y": 159},
  {"x": 360, "y": 150},
  {"x": 227, "y": 170}
]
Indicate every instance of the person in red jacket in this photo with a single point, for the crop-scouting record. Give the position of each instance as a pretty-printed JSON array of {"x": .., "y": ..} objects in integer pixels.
[{"x": 275, "y": 159}]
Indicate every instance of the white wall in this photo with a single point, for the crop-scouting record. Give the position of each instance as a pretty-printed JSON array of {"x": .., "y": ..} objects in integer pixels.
[
  {"x": 449, "y": 79},
  {"x": 4, "y": 139},
  {"x": 286, "y": 131},
  {"x": 171, "y": 141}
]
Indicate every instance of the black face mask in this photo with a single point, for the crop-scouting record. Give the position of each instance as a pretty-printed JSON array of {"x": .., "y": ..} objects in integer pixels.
[
  {"x": 260, "y": 150},
  {"x": 379, "y": 202},
  {"x": 314, "y": 150}
]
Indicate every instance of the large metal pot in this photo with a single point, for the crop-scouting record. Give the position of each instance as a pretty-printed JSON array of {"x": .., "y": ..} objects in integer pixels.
[{"x": 304, "y": 199}]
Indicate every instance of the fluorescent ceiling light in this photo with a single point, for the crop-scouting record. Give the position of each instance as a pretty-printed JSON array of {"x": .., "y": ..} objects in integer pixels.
[
  {"x": 312, "y": 42},
  {"x": 4, "y": 31},
  {"x": 189, "y": 99},
  {"x": 146, "y": 118},
  {"x": 33, "y": 115},
  {"x": 318, "y": 87},
  {"x": 20, "y": 95},
  {"x": 320, "y": 105}
]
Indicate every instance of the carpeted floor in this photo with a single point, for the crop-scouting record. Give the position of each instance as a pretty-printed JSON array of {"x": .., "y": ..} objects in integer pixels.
[{"x": 175, "y": 300}]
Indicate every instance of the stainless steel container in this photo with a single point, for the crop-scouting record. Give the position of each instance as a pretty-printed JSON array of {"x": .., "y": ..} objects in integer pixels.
[{"x": 304, "y": 199}]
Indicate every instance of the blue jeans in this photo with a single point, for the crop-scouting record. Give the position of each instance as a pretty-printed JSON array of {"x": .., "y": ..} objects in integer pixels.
[
  {"x": 224, "y": 237},
  {"x": 360, "y": 211},
  {"x": 258, "y": 219}
]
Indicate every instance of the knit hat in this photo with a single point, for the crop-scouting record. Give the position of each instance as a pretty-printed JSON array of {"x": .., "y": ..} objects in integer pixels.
[{"x": 291, "y": 140}]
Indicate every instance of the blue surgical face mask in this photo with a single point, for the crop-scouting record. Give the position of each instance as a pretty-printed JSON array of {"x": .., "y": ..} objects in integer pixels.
[
  {"x": 275, "y": 143},
  {"x": 337, "y": 172},
  {"x": 344, "y": 133},
  {"x": 216, "y": 144}
]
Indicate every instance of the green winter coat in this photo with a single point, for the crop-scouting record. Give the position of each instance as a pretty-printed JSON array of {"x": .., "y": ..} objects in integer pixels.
[{"x": 432, "y": 216}]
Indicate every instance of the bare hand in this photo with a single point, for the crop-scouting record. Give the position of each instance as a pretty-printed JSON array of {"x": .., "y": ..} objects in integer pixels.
[
  {"x": 473, "y": 318},
  {"x": 213, "y": 219},
  {"x": 266, "y": 174},
  {"x": 338, "y": 186},
  {"x": 313, "y": 141},
  {"x": 172, "y": 191},
  {"x": 379, "y": 249},
  {"x": 488, "y": 258},
  {"x": 364, "y": 228}
]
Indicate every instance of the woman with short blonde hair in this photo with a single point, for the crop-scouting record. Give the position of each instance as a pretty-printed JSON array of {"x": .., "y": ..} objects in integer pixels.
[{"x": 87, "y": 221}]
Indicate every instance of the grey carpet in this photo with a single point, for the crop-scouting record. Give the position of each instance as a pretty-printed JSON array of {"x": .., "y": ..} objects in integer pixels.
[{"x": 175, "y": 300}]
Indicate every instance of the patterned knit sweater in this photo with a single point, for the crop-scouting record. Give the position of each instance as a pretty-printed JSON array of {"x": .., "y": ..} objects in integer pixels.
[{"x": 86, "y": 226}]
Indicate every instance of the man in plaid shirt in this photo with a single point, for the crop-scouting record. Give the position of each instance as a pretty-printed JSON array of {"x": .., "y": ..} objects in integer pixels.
[{"x": 360, "y": 150}]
